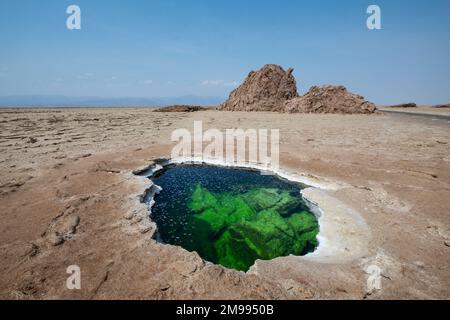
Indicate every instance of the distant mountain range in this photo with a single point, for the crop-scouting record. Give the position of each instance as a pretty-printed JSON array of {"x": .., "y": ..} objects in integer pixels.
[{"x": 65, "y": 101}]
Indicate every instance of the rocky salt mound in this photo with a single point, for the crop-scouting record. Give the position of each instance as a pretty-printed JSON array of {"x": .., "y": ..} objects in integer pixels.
[
  {"x": 273, "y": 89},
  {"x": 329, "y": 99},
  {"x": 263, "y": 90}
]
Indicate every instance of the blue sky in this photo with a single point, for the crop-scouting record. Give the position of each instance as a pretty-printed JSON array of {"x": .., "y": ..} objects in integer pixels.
[{"x": 168, "y": 48}]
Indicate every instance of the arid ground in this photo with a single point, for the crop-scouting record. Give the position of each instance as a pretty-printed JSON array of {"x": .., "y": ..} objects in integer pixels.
[{"x": 68, "y": 197}]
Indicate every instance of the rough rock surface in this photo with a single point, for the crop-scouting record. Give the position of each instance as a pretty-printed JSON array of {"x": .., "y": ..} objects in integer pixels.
[
  {"x": 329, "y": 99},
  {"x": 263, "y": 90},
  {"x": 245, "y": 227},
  {"x": 273, "y": 89},
  {"x": 404, "y": 105},
  {"x": 181, "y": 108},
  {"x": 442, "y": 106}
]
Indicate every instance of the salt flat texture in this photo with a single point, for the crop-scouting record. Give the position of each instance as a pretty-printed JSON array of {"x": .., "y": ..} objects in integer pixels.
[{"x": 69, "y": 196}]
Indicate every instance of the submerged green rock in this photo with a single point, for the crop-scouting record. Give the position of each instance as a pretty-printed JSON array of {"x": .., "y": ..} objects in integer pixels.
[{"x": 263, "y": 223}]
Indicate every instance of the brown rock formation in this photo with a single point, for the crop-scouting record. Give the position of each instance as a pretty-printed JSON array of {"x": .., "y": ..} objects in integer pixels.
[
  {"x": 180, "y": 108},
  {"x": 273, "y": 89},
  {"x": 404, "y": 105},
  {"x": 442, "y": 106},
  {"x": 263, "y": 90},
  {"x": 329, "y": 99}
]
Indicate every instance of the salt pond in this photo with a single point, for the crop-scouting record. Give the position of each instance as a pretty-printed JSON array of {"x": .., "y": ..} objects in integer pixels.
[{"x": 232, "y": 216}]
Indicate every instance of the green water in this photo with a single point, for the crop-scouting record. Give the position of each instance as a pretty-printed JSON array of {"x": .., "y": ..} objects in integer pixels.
[{"x": 233, "y": 217}]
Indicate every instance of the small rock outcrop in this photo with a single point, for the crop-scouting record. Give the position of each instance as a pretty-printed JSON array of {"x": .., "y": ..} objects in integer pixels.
[
  {"x": 329, "y": 99},
  {"x": 263, "y": 90},
  {"x": 180, "y": 108},
  {"x": 404, "y": 105},
  {"x": 442, "y": 106},
  {"x": 273, "y": 89}
]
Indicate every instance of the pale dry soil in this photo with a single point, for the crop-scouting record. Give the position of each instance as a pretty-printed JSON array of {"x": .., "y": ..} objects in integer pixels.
[
  {"x": 421, "y": 110},
  {"x": 68, "y": 197}
]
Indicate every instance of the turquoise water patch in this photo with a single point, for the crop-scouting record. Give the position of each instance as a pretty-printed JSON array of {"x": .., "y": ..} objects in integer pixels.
[{"x": 231, "y": 216}]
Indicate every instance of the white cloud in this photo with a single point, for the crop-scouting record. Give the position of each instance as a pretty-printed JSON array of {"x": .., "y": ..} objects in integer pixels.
[
  {"x": 171, "y": 83},
  {"x": 221, "y": 83},
  {"x": 111, "y": 79},
  {"x": 147, "y": 82},
  {"x": 85, "y": 76},
  {"x": 212, "y": 82},
  {"x": 233, "y": 84}
]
